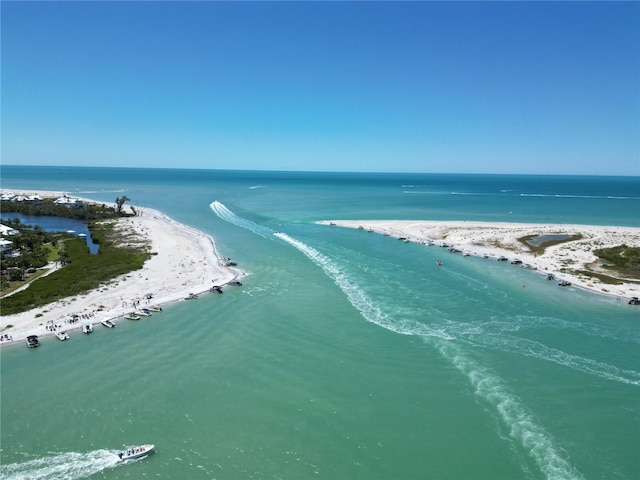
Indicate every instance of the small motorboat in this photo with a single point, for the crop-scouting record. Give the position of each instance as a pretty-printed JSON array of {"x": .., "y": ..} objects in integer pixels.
[
  {"x": 135, "y": 452},
  {"x": 62, "y": 335},
  {"x": 191, "y": 296},
  {"x": 216, "y": 289},
  {"x": 87, "y": 327},
  {"x": 132, "y": 316},
  {"x": 154, "y": 309},
  {"x": 564, "y": 283},
  {"x": 439, "y": 263},
  {"x": 235, "y": 283},
  {"x": 108, "y": 323},
  {"x": 145, "y": 312},
  {"x": 634, "y": 301},
  {"x": 32, "y": 341}
]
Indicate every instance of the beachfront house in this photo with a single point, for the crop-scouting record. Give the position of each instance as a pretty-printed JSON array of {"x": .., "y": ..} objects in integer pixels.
[
  {"x": 69, "y": 202},
  {"x": 12, "y": 197},
  {"x": 7, "y": 230},
  {"x": 5, "y": 247}
]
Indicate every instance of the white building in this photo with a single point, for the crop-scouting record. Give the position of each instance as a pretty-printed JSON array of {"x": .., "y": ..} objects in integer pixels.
[
  {"x": 5, "y": 246},
  {"x": 6, "y": 230},
  {"x": 69, "y": 202}
]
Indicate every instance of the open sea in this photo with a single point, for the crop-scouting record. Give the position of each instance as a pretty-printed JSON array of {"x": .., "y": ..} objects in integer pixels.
[{"x": 345, "y": 354}]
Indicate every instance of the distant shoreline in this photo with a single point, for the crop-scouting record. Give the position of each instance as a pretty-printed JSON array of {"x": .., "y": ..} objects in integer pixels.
[
  {"x": 184, "y": 261},
  {"x": 498, "y": 239}
]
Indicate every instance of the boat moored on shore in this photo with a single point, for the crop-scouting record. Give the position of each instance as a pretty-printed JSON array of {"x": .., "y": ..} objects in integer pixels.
[{"x": 62, "y": 335}]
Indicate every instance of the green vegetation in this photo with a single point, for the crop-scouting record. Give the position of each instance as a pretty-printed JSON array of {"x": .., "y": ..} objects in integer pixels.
[
  {"x": 89, "y": 211},
  {"x": 36, "y": 247},
  {"x": 82, "y": 272},
  {"x": 622, "y": 259}
]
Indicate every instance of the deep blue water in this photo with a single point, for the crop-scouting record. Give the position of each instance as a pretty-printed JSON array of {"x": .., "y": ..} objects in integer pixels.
[{"x": 302, "y": 195}]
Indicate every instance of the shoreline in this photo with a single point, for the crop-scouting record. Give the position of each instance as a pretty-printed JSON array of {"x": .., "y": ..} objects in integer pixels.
[
  {"x": 184, "y": 261},
  {"x": 497, "y": 239}
]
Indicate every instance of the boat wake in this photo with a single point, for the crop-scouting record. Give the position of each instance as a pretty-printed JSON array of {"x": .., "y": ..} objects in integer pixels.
[
  {"x": 522, "y": 425},
  {"x": 69, "y": 465},
  {"x": 227, "y": 215},
  {"x": 520, "y": 422}
]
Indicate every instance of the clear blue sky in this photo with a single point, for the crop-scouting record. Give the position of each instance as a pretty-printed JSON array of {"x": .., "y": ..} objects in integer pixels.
[{"x": 497, "y": 87}]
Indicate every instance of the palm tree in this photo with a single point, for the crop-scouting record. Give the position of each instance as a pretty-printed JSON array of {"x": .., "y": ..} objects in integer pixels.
[{"x": 120, "y": 202}]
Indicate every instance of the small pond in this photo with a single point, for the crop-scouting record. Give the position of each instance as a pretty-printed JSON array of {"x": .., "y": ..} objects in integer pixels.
[
  {"x": 57, "y": 224},
  {"x": 540, "y": 239}
]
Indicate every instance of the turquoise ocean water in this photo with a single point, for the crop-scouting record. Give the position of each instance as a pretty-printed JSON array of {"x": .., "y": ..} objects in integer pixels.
[{"x": 345, "y": 354}]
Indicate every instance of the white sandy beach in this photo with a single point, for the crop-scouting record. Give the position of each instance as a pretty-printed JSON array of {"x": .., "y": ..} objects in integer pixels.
[
  {"x": 501, "y": 239},
  {"x": 185, "y": 261}
]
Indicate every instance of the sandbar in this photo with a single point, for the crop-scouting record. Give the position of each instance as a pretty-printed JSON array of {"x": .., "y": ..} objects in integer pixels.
[{"x": 569, "y": 261}]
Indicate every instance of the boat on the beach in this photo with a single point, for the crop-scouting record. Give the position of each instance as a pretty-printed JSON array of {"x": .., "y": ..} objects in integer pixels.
[
  {"x": 32, "y": 341},
  {"x": 132, "y": 316},
  {"x": 634, "y": 301},
  {"x": 87, "y": 327},
  {"x": 108, "y": 323},
  {"x": 154, "y": 309},
  {"x": 191, "y": 296},
  {"x": 235, "y": 283},
  {"x": 135, "y": 452},
  {"x": 144, "y": 312},
  {"x": 564, "y": 283},
  {"x": 62, "y": 335},
  {"x": 216, "y": 289}
]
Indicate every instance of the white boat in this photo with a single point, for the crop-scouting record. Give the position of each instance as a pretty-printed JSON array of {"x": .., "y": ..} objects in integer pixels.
[
  {"x": 32, "y": 341},
  {"x": 87, "y": 327},
  {"x": 62, "y": 335},
  {"x": 154, "y": 309},
  {"x": 108, "y": 323},
  {"x": 132, "y": 316},
  {"x": 143, "y": 313},
  {"x": 135, "y": 452}
]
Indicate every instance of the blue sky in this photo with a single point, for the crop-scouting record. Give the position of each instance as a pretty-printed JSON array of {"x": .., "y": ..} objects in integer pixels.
[{"x": 475, "y": 87}]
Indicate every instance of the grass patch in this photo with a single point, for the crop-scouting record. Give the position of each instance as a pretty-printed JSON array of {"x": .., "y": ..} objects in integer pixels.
[{"x": 84, "y": 272}]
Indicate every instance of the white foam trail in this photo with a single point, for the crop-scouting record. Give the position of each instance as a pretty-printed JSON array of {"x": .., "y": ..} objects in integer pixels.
[
  {"x": 225, "y": 214},
  {"x": 70, "y": 465},
  {"x": 522, "y": 426},
  {"x": 521, "y": 423}
]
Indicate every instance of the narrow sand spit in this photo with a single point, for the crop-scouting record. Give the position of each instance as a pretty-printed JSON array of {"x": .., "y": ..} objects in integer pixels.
[{"x": 494, "y": 240}]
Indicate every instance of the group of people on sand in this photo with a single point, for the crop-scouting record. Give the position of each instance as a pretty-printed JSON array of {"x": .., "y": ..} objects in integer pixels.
[{"x": 6, "y": 338}]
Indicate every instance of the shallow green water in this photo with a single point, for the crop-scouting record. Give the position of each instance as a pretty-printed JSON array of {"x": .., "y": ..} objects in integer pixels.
[{"x": 344, "y": 355}]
